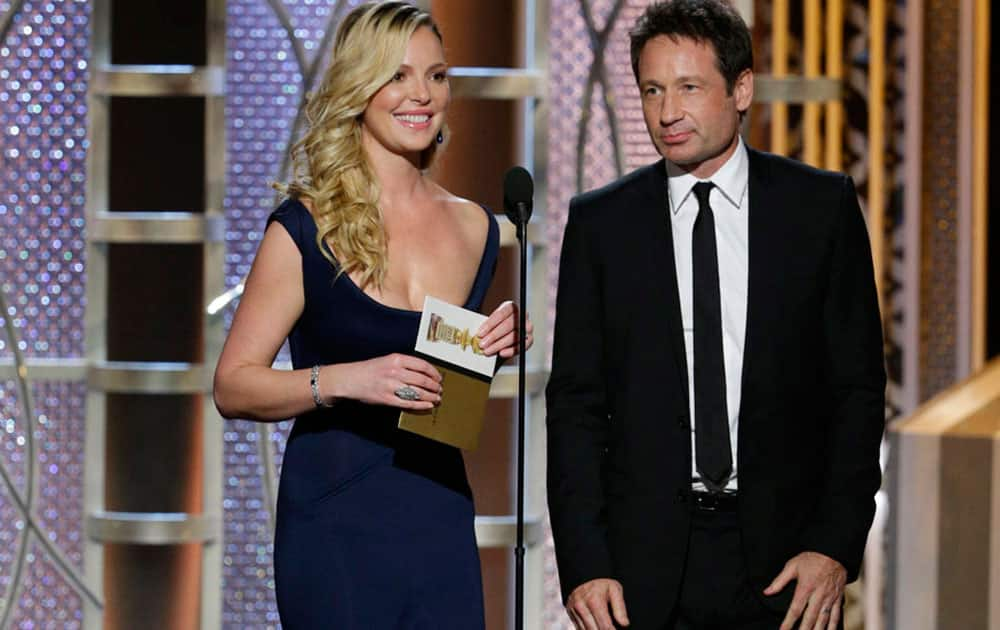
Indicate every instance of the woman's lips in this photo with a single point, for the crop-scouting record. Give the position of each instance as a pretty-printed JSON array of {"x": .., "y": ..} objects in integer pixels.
[{"x": 414, "y": 121}]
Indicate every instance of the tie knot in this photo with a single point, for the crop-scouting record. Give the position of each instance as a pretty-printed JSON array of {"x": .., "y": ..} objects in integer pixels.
[{"x": 701, "y": 192}]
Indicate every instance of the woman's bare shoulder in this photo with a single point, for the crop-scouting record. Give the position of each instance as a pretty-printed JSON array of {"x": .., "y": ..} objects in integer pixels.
[{"x": 470, "y": 214}]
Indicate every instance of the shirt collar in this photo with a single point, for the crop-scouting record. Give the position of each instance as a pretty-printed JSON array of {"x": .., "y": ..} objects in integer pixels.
[{"x": 731, "y": 180}]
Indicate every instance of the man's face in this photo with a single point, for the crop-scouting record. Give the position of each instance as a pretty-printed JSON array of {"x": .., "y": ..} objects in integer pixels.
[{"x": 691, "y": 116}]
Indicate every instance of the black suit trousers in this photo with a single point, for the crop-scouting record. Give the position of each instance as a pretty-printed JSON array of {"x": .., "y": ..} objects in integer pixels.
[{"x": 716, "y": 589}]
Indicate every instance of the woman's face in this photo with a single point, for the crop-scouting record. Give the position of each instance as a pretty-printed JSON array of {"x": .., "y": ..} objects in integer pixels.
[{"x": 404, "y": 117}]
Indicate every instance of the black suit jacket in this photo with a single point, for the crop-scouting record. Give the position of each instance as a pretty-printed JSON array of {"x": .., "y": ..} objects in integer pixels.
[{"x": 813, "y": 386}]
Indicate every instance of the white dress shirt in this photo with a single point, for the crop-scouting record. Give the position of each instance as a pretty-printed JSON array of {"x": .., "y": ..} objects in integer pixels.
[{"x": 730, "y": 206}]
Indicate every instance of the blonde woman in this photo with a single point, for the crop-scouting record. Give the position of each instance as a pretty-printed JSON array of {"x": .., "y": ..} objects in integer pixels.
[{"x": 375, "y": 525}]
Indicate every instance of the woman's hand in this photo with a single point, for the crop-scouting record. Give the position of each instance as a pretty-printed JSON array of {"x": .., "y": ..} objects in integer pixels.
[
  {"x": 498, "y": 334},
  {"x": 377, "y": 382}
]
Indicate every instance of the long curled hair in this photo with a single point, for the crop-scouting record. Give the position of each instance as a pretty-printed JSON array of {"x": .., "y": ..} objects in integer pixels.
[{"x": 329, "y": 165}]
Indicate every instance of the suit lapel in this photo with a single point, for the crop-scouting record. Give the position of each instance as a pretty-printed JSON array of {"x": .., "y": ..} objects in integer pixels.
[
  {"x": 661, "y": 251},
  {"x": 764, "y": 260}
]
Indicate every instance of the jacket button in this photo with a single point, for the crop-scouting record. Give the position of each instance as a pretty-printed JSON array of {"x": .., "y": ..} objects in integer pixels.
[
  {"x": 681, "y": 496},
  {"x": 682, "y": 420}
]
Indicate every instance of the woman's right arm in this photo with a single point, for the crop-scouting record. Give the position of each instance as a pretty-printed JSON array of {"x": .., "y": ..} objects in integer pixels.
[{"x": 246, "y": 386}]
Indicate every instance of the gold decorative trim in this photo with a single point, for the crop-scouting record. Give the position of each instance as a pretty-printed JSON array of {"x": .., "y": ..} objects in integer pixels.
[
  {"x": 153, "y": 528},
  {"x": 501, "y": 531},
  {"x": 156, "y": 227},
  {"x": 133, "y": 377},
  {"x": 796, "y": 90},
  {"x": 117, "y": 80},
  {"x": 508, "y": 233},
  {"x": 41, "y": 369},
  {"x": 505, "y": 382},
  {"x": 496, "y": 83}
]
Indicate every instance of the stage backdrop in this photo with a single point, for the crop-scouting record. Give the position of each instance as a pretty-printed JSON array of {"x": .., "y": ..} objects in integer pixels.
[{"x": 275, "y": 53}]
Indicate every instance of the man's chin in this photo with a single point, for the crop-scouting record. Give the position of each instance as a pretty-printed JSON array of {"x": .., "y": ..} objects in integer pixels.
[
  {"x": 684, "y": 161},
  {"x": 677, "y": 155}
]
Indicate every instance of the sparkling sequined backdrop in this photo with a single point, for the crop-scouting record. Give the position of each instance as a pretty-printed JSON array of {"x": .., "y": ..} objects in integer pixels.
[{"x": 43, "y": 87}]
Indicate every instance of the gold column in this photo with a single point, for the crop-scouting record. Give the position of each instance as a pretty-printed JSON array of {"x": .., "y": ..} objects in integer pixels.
[
  {"x": 779, "y": 69},
  {"x": 980, "y": 181},
  {"x": 811, "y": 140},
  {"x": 834, "y": 70},
  {"x": 876, "y": 137}
]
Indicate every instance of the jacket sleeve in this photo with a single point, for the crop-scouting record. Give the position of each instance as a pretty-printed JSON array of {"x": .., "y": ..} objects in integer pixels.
[
  {"x": 856, "y": 368},
  {"x": 577, "y": 412}
]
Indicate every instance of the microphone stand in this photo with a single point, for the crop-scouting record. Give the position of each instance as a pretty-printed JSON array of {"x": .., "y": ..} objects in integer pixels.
[{"x": 522, "y": 229}]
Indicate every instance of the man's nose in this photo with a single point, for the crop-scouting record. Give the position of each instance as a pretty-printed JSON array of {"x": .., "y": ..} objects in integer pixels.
[{"x": 670, "y": 110}]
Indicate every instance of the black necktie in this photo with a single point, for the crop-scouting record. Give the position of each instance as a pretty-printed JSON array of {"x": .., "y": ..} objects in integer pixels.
[{"x": 713, "y": 455}]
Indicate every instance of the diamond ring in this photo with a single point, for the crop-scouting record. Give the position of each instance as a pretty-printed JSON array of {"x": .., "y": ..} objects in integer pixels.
[{"x": 407, "y": 393}]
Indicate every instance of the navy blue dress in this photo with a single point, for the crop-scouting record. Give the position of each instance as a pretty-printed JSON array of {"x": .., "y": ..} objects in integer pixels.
[{"x": 375, "y": 525}]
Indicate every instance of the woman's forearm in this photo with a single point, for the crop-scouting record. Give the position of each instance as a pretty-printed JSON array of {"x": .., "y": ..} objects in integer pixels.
[{"x": 264, "y": 394}]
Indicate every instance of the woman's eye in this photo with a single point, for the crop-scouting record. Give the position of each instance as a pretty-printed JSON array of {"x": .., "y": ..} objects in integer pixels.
[{"x": 398, "y": 76}]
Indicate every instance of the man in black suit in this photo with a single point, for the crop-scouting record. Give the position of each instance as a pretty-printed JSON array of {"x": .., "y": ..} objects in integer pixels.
[{"x": 716, "y": 402}]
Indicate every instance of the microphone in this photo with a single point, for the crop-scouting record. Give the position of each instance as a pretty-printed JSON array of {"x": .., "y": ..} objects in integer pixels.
[{"x": 518, "y": 190}]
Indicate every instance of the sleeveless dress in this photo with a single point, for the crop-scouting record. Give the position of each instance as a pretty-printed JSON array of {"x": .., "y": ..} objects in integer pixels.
[{"x": 374, "y": 524}]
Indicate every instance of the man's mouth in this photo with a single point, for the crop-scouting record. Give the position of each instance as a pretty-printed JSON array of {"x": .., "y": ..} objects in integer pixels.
[{"x": 676, "y": 137}]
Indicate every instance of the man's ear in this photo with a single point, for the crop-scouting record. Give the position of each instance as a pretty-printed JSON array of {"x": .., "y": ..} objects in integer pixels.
[{"x": 743, "y": 90}]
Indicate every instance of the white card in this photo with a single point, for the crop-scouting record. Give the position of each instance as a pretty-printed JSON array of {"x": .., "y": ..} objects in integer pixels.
[{"x": 447, "y": 332}]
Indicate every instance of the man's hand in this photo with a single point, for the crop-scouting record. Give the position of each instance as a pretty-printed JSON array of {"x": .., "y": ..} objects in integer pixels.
[
  {"x": 819, "y": 588},
  {"x": 588, "y": 605}
]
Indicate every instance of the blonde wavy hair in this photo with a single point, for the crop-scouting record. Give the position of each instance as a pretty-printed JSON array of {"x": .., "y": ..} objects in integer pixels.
[{"x": 329, "y": 166}]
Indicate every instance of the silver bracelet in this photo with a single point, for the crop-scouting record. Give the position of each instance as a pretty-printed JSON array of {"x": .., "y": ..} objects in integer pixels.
[{"x": 314, "y": 386}]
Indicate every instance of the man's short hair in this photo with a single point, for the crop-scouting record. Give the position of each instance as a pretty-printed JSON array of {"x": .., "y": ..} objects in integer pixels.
[{"x": 706, "y": 21}]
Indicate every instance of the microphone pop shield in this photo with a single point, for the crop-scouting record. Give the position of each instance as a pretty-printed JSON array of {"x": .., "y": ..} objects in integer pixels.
[{"x": 518, "y": 190}]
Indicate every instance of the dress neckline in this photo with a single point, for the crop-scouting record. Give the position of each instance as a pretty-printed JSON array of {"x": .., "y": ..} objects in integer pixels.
[{"x": 490, "y": 229}]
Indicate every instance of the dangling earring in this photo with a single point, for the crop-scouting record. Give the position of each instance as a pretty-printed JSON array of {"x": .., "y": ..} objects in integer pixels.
[{"x": 440, "y": 137}]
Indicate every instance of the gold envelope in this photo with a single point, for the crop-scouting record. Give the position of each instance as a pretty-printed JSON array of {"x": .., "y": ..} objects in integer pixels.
[{"x": 459, "y": 418}]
